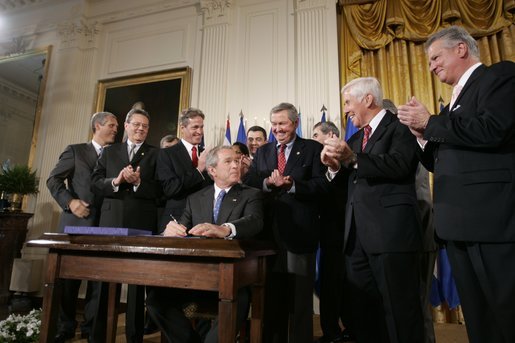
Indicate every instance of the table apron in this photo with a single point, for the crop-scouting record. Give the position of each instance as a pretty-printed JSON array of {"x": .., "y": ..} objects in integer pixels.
[{"x": 179, "y": 273}]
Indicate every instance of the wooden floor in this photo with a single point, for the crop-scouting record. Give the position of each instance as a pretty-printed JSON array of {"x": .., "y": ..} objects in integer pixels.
[{"x": 445, "y": 333}]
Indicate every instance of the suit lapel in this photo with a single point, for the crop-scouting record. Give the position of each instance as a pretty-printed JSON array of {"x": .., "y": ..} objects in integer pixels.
[
  {"x": 295, "y": 155},
  {"x": 379, "y": 131},
  {"x": 206, "y": 204},
  {"x": 123, "y": 152},
  {"x": 230, "y": 201},
  {"x": 184, "y": 157},
  {"x": 90, "y": 155},
  {"x": 271, "y": 156},
  {"x": 140, "y": 154},
  {"x": 473, "y": 77}
]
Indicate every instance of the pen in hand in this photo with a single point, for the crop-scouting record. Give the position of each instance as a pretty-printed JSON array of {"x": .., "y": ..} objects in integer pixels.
[{"x": 176, "y": 222}]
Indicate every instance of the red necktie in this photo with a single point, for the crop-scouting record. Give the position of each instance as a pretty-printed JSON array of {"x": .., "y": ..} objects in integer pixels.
[
  {"x": 367, "y": 129},
  {"x": 194, "y": 157},
  {"x": 281, "y": 159}
]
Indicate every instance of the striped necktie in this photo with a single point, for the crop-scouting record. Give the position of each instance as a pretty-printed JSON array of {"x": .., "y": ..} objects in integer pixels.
[
  {"x": 132, "y": 152},
  {"x": 366, "y": 135}
]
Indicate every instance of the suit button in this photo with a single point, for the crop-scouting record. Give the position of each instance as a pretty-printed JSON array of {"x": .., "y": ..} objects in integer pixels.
[{"x": 355, "y": 181}]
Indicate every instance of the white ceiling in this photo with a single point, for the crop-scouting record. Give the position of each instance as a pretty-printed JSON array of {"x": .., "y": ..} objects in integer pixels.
[{"x": 8, "y": 5}]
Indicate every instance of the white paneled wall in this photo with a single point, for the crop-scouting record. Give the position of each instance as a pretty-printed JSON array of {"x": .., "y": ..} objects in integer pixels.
[{"x": 245, "y": 55}]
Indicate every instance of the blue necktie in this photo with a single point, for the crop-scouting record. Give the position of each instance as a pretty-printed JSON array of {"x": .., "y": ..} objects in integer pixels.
[{"x": 218, "y": 203}]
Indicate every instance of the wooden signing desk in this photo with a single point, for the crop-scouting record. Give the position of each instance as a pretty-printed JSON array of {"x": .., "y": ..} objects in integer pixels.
[{"x": 217, "y": 265}]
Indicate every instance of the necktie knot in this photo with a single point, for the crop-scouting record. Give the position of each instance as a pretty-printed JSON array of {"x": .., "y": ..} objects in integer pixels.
[
  {"x": 100, "y": 151},
  {"x": 194, "y": 157},
  {"x": 366, "y": 135},
  {"x": 218, "y": 204}
]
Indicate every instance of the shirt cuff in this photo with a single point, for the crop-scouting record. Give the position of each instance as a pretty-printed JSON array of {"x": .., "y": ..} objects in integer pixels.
[
  {"x": 115, "y": 188},
  {"x": 265, "y": 187},
  {"x": 422, "y": 143},
  {"x": 233, "y": 230},
  {"x": 292, "y": 189},
  {"x": 330, "y": 175}
]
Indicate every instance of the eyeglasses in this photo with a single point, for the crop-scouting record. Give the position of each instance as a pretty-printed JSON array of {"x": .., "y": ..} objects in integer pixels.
[{"x": 138, "y": 125}]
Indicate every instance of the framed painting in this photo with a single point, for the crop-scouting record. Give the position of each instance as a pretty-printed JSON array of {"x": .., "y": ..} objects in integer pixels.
[{"x": 162, "y": 94}]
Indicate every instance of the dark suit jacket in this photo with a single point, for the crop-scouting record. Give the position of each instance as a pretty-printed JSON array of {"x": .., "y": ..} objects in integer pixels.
[
  {"x": 381, "y": 191},
  {"x": 425, "y": 205},
  {"x": 332, "y": 217},
  {"x": 71, "y": 179},
  {"x": 242, "y": 206},
  {"x": 178, "y": 179},
  {"x": 471, "y": 150},
  {"x": 127, "y": 208},
  {"x": 292, "y": 219}
]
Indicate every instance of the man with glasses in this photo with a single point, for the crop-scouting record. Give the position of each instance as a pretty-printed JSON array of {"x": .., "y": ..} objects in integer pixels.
[{"x": 125, "y": 177}]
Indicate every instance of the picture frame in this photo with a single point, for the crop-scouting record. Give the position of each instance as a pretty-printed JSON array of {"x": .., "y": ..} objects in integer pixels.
[{"x": 164, "y": 94}]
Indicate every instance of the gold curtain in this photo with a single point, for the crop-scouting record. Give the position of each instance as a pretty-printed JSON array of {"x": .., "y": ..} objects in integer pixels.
[{"x": 384, "y": 39}]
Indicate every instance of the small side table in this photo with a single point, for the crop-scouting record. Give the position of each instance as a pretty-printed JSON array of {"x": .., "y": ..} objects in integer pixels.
[{"x": 13, "y": 231}]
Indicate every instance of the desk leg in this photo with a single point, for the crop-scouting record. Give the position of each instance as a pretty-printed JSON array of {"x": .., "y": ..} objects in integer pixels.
[
  {"x": 113, "y": 303},
  {"x": 258, "y": 301},
  {"x": 52, "y": 293},
  {"x": 227, "y": 305},
  {"x": 227, "y": 320}
]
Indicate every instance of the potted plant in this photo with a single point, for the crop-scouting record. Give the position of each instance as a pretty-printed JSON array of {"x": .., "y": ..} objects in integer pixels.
[
  {"x": 17, "y": 181},
  {"x": 21, "y": 328}
]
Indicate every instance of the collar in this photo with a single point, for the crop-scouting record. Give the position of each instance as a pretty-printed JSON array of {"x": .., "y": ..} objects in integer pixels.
[
  {"x": 130, "y": 143},
  {"x": 374, "y": 123},
  {"x": 466, "y": 75},
  {"x": 218, "y": 190},
  {"x": 288, "y": 145},
  {"x": 188, "y": 146},
  {"x": 96, "y": 146}
]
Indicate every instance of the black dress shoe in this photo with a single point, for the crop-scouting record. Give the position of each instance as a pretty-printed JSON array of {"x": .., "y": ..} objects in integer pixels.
[
  {"x": 62, "y": 337},
  {"x": 344, "y": 336}
]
